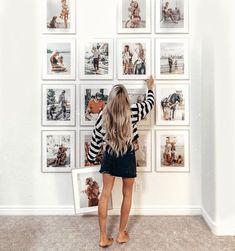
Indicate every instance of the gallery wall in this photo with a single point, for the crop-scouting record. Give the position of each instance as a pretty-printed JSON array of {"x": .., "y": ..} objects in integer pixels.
[{"x": 24, "y": 188}]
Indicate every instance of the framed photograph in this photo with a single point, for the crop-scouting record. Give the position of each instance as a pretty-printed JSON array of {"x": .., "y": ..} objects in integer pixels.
[
  {"x": 87, "y": 188},
  {"x": 172, "y": 58},
  {"x": 59, "y": 58},
  {"x": 58, "y": 105},
  {"x": 143, "y": 154},
  {"x": 97, "y": 59},
  {"x": 85, "y": 139},
  {"x": 58, "y": 151},
  {"x": 134, "y": 16},
  {"x": 93, "y": 99},
  {"x": 137, "y": 94},
  {"x": 172, "y": 16},
  {"x": 133, "y": 58},
  {"x": 172, "y": 104},
  {"x": 59, "y": 16},
  {"x": 172, "y": 148}
]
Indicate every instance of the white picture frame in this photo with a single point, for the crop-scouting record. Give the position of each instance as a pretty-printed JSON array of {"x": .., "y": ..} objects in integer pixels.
[
  {"x": 87, "y": 91},
  {"x": 134, "y": 19},
  {"x": 56, "y": 48},
  {"x": 87, "y": 66},
  {"x": 144, "y": 153},
  {"x": 172, "y": 104},
  {"x": 174, "y": 21},
  {"x": 80, "y": 177},
  {"x": 172, "y": 58},
  {"x": 170, "y": 156},
  {"x": 53, "y": 141},
  {"x": 133, "y": 66},
  {"x": 58, "y": 104},
  {"x": 65, "y": 16}
]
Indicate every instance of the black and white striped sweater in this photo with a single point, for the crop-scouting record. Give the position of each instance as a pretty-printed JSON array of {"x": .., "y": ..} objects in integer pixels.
[{"x": 138, "y": 112}]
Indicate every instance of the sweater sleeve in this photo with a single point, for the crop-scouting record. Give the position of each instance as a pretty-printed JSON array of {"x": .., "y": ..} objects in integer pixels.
[
  {"x": 96, "y": 140},
  {"x": 140, "y": 110}
]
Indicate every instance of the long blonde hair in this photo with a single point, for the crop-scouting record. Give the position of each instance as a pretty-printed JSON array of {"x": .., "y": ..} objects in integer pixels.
[{"x": 117, "y": 120}]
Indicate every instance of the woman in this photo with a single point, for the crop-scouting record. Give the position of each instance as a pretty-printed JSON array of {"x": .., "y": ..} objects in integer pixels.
[{"x": 116, "y": 126}]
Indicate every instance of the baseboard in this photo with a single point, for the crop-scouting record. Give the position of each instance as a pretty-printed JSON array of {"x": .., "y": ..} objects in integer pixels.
[
  {"x": 69, "y": 210},
  {"x": 217, "y": 229}
]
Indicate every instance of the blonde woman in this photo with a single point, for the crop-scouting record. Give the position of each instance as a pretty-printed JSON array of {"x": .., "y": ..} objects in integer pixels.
[{"x": 116, "y": 126}]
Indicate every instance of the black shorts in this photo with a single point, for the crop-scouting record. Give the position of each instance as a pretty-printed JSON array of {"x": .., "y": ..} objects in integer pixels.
[{"x": 121, "y": 166}]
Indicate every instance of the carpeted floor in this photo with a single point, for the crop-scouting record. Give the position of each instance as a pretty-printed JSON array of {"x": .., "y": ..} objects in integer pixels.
[{"x": 147, "y": 233}]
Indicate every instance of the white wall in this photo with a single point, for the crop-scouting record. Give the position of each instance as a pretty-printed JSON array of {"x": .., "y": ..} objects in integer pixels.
[{"x": 22, "y": 184}]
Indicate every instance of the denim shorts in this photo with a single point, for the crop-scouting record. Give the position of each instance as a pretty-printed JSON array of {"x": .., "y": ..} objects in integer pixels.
[{"x": 121, "y": 166}]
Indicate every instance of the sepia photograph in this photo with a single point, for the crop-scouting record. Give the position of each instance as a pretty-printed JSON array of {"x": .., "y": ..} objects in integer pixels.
[
  {"x": 59, "y": 16},
  {"x": 59, "y": 59},
  {"x": 171, "y": 16},
  {"x": 172, "y": 104},
  {"x": 87, "y": 187},
  {"x": 172, "y": 58},
  {"x": 134, "y": 16},
  {"x": 58, "y": 105},
  {"x": 133, "y": 58},
  {"x": 172, "y": 150},
  {"x": 58, "y": 151},
  {"x": 96, "y": 60},
  {"x": 93, "y": 99},
  {"x": 85, "y": 139}
]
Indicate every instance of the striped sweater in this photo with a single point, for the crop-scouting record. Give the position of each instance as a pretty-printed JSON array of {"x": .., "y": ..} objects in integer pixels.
[{"x": 138, "y": 112}]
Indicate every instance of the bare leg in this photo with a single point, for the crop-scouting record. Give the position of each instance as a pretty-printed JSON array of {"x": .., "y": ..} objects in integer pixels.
[
  {"x": 108, "y": 182},
  {"x": 127, "y": 190}
]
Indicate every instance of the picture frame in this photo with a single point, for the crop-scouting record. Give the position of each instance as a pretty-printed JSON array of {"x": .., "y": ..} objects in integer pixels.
[
  {"x": 96, "y": 59},
  {"x": 139, "y": 92},
  {"x": 58, "y": 151},
  {"x": 85, "y": 138},
  {"x": 144, "y": 153},
  {"x": 87, "y": 188},
  {"x": 133, "y": 58},
  {"x": 134, "y": 16},
  {"x": 172, "y": 150},
  {"x": 172, "y": 58},
  {"x": 172, "y": 16},
  {"x": 172, "y": 104},
  {"x": 59, "y": 17},
  {"x": 90, "y": 109},
  {"x": 58, "y": 59},
  {"x": 58, "y": 104}
]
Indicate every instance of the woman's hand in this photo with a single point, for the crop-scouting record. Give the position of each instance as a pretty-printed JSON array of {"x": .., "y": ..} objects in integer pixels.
[{"x": 150, "y": 82}]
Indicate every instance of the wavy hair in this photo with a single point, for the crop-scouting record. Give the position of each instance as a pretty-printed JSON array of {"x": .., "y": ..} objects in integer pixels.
[{"x": 117, "y": 120}]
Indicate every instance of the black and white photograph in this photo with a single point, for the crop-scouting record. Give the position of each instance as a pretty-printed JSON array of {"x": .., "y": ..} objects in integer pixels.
[
  {"x": 59, "y": 58},
  {"x": 133, "y": 58},
  {"x": 59, "y": 17},
  {"x": 58, "y": 105},
  {"x": 96, "y": 59},
  {"x": 172, "y": 16},
  {"x": 87, "y": 188},
  {"x": 172, "y": 103},
  {"x": 172, "y": 148},
  {"x": 134, "y": 16},
  {"x": 93, "y": 99},
  {"x": 172, "y": 58},
  {"x": 58, "y": 151}
]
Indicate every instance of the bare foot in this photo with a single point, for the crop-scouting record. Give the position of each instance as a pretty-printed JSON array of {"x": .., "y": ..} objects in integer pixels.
[
  {"x": 106, "y": 242},
  {"x": 122, "y": 237}
]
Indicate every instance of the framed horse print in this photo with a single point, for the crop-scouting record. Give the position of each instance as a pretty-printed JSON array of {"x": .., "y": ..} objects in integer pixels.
[
  {"x": 172, "y": 16},
  {"x": 172, "y": 58},
  {"x": 134, "y": 16},
  {"x": 172, "y": 148},
  {"x": 133, "y": 58},
  {"x": 172, "y": 104}
]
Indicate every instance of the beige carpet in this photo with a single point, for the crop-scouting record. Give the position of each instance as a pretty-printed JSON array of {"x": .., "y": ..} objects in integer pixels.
[{"x": 147, "y": 233}]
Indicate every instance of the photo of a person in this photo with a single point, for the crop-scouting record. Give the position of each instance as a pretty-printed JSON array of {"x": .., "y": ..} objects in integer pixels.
[{"x": 92, "y": 191}]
